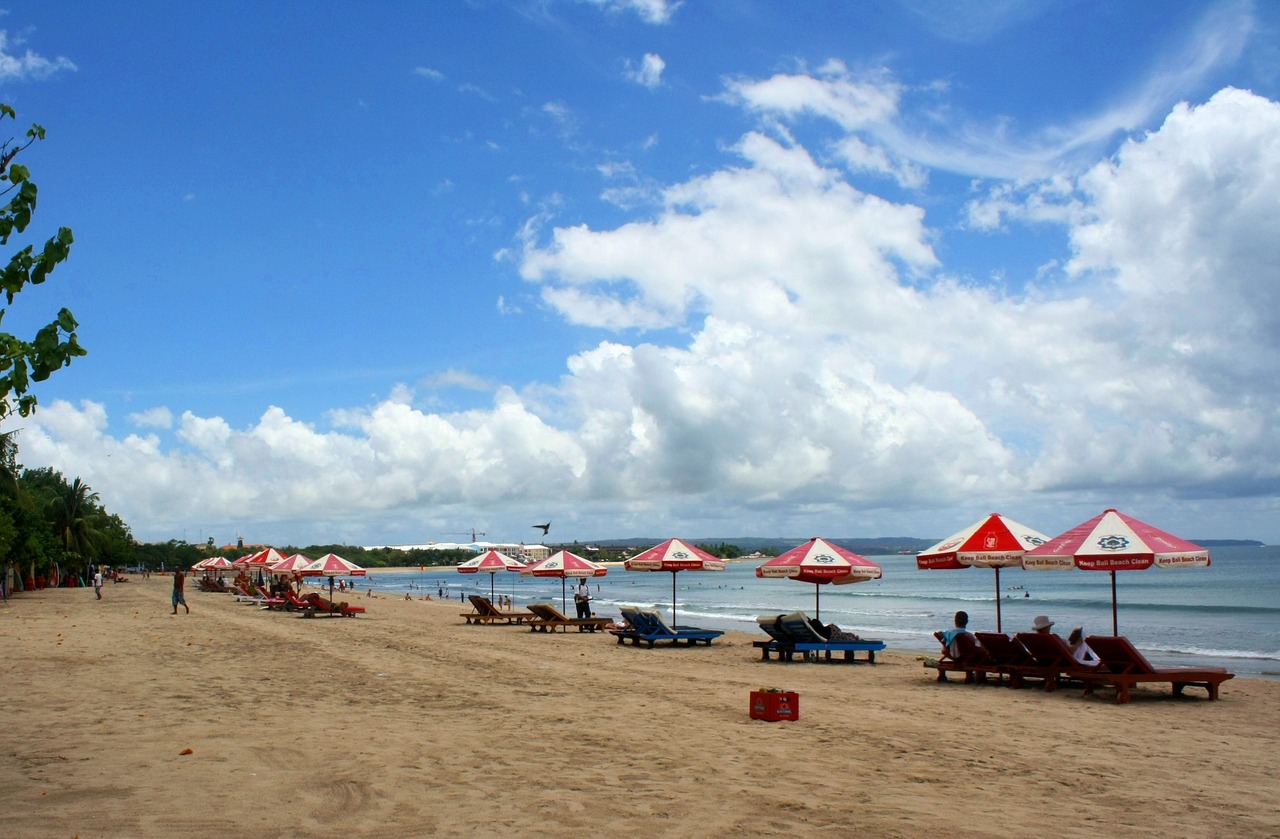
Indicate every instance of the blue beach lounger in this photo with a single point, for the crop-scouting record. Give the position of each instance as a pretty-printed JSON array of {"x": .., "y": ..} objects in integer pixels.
[
  {"x": 652, "y": 628},
  {"x": 807, "y": 641}
]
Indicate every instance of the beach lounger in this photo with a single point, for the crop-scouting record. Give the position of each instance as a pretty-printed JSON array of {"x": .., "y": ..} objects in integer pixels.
[
  {"x": 547, "y": 618},
  {"x": 328, "y": 608},
  {"x": 1122, "y": 667},
  {"x": 1051, "y": 660},
  {"x": 652, "y": 628},
  {"x": 814, "y": 646},
  {"x": 485, "y": 612},
  {"x": 779, "y": 641},
  {"x": 632, "y": 625},
  {"x": 243, "y": 595},
  {"x": 1009, "y": 657},
  {"x": 970, "y": 658}
]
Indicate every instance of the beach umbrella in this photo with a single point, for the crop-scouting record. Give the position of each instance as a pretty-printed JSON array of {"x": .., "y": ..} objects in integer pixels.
[
  {"x": 564, "y": 564},
  {"x": 260, "y": 561},
  {"x": 994, "y": 542},
  {"x": 332, "y": 565},
  {"x": 820, "y": 562},
  {"x": 674, "y": 555},
  {"x": 1112, "y": 541},
  {"x": 491, "y": 562},
  {"x": 291, "y": 565}
]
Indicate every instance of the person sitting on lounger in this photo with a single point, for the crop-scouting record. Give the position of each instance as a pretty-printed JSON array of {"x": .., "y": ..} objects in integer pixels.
[
  {"x": 1079, "y": 649},
  {"x": 948, "y": 638}
]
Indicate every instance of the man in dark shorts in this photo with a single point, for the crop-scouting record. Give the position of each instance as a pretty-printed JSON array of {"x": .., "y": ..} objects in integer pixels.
[{"x": 178, "y": 580}]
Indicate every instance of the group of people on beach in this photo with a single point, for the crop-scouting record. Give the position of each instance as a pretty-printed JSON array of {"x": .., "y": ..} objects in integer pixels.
[{"x": 1041, "y": 623}]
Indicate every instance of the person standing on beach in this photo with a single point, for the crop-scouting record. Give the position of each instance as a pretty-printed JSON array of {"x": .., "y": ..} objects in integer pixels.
[
  {"x": 582, "y": 598},
  {"x": 179, "y": 579},
  {"x": 97, "y": 582}
]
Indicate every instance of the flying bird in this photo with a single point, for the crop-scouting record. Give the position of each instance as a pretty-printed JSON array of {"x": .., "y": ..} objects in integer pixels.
[{"x": 545, "y": 527}]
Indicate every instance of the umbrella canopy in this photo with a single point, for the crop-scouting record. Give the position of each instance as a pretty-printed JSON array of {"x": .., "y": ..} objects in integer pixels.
[
  {"x": 819, "y": 562},
  {"x": 994, "y": 542},
  {"x": 491, "y": 562},
  {"x": 291, "y": 565},
  {"x": 262, "y": 559},
  {"x": 1115, "y": 542},
  {"x": 564, "y": 564},
  {"x": 674, "y": 555},
  {"x": 332, "y": 565}
]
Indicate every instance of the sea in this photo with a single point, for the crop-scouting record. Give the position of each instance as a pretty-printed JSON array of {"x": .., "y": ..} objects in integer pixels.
[{"x": 1224, "y": 615}]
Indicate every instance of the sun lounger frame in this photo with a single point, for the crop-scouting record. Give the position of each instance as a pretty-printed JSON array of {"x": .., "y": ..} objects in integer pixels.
[{"x": 1123, "y": 666}]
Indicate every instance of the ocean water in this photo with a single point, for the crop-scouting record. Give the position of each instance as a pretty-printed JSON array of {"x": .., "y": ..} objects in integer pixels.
[{"x": 1226, "y": 615}]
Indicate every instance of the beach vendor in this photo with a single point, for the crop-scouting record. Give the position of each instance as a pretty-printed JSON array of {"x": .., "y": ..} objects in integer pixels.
[{"x": 582, "y": 598}]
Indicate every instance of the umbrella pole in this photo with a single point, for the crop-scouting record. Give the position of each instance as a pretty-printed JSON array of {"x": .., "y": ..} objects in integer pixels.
[
  {"x": 1115, "y": 622},
  {"x": 491, "y": 576},
  {"x": 817, "y": 601},
  {"x": 673, "y": 599},
  {"x": 564, "y": 605},
  {"x": 998, "y": 627}
]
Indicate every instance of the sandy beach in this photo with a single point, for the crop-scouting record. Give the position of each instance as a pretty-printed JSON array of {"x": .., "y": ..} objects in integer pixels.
[{"x": 406, "y": 722}]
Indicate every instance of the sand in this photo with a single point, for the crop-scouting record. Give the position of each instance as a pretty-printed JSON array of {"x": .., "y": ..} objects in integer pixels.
[{"x": 405, "y": 722}]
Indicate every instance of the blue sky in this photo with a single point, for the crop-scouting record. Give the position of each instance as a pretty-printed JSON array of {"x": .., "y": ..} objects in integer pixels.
[{"x": 384, "y": 273}]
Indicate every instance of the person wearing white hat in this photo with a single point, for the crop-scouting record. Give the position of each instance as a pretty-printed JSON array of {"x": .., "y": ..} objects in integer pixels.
[{"x": 1042, "y": 624}]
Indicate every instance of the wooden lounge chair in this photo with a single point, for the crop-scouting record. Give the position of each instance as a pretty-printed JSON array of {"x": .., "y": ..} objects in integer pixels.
[
  {"x": 329, "y": 608},
  {"x": 547, "y": 618},
  {"x": 485, "y": 612},
  {"x": 652, "y": 628},
  {"x": 1052, "y": 660},
  {"x": 1122, "y": 667},
  {"x": 969, "y": 658},
  {"x": 1007, "y": 656},
  {"x": 807, "y": 640},
  {"x": 779, "y": 642}
]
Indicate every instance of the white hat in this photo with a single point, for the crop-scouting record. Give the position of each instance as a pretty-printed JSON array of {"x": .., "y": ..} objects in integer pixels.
[{"x": 1041, "y": 622}]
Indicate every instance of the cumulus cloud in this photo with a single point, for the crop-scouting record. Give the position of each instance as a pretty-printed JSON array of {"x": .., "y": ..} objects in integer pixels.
[
  {"x": 648, "y": 71},
  {"x": 29, "y": 66},
  {"x": 787, "y": 344}
]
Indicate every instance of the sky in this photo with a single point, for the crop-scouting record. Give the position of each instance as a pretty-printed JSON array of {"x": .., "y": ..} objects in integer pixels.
[{"x": 388, "y": 273}]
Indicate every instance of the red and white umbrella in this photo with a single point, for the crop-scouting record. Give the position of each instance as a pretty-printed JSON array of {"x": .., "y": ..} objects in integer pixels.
[
  {"x": 674, "y": 555},
  {"x": 263, "y": 559},
  {"x": 216, "y": 563},
  {"x": 332, "y": 565},
  {"x": 291, "y": 565},
  {"x": 820, "y": 562},
  {"x": 1115, "y": 542},
  {"x": 564, "y": 564},
  {"x": 491, "y": 562},
  {"x": 994, "y": 542}
]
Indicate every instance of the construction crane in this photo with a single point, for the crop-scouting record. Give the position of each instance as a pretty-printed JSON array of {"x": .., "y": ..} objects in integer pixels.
[{"x": 475, "y": 534}]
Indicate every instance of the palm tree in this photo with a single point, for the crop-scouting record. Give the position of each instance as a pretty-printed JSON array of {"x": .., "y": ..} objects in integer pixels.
[{"x": 74, "y": 512}]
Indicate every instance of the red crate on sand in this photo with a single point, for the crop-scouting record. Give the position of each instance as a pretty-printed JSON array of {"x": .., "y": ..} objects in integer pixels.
[{"x": 775, "y": 705}]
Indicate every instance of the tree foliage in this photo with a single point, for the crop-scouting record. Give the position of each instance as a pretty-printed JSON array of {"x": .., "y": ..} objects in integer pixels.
[{"x": 54, "y": 345}]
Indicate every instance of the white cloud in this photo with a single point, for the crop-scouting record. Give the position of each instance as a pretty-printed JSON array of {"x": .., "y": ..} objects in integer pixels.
[
  {"x": 650, "y": 11},
  {"x": 429, "y": 73},
  {"x": 159, "y": 417},
  {"x": 648, "y": 72},
  {"x": 826, "y": 371},
  {"x": 29, "y": 66}
]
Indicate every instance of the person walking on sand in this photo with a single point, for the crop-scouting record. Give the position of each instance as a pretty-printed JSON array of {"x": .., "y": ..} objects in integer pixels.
[
  {"x": 178, "y": 596},
  {"x": 97, "y": 582}
]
